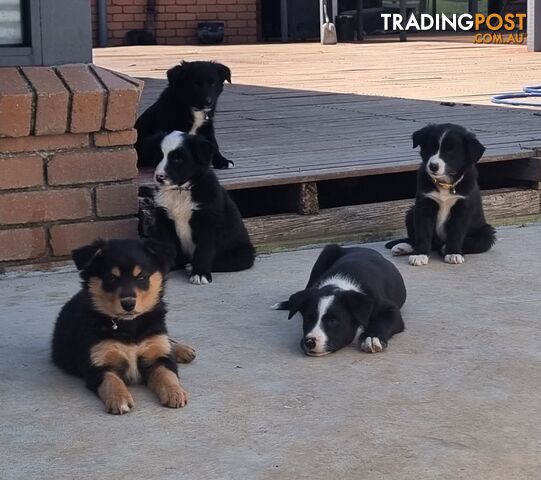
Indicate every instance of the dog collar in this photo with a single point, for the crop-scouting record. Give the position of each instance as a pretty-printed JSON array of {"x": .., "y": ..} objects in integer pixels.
[{"x": 451, "y": 187}]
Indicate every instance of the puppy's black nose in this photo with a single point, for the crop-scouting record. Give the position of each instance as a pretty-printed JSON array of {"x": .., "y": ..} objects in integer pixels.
[
  {"x": 310, "y": 343},
  {"x": 128, "y": 303},
  {"x": 160, "y": 178},
  {"x": 433, "y": 167},
  {"x": 208, "y": 101}
]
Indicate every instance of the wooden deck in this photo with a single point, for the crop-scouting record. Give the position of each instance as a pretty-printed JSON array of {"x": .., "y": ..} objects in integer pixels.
[{"x": 300, "y": 115}]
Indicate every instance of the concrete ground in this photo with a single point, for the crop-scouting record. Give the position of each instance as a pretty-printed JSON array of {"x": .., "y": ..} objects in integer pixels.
[{"x": 456, "y": 396}]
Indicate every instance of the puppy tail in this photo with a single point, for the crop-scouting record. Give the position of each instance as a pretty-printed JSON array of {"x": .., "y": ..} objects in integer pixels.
[
  {"x": 392, "y": 243},
  {"x": 281, "y": 306}
]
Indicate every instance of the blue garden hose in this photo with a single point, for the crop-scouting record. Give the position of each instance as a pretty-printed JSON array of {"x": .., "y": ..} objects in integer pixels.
[{"x": 528, "y": 94}]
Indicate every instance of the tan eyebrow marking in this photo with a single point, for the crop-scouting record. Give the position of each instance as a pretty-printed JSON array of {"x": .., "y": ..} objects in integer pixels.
[
  {"x": 136, "y": 271},
  {"x": 116, "y": 271}
]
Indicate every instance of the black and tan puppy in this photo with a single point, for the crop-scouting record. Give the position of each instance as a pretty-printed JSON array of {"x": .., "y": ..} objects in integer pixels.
[
  {"x": 112, "y": 332},
  {"x": 448, "y": 212},
  {"x": 188, "y": 104}
]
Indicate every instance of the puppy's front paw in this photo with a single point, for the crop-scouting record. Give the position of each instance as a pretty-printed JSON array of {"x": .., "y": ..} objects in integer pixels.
[
  {"x": 417, "y": 260},
  {"x": 222, "y": 163},
  {"x": 201, "y": 278},
  {"x": 119, "y": 403},
  {"x": 454, "y": 258},
  {"x": 183, "y": 353},
  {"x": 401, "y": 249},
  {"x": 173, "y": 396},
  {"x": 372, "y": 345}
]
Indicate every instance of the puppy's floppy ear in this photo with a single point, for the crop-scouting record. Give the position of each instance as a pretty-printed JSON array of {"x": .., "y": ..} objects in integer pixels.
[
  {"x": 474, "y": 148},
  {"x": 420, "y": 136},
  {"x": 150, "y": 152},
  {"x": 164, "y": 253},
  {"x": 204, "y": 150},
  {"x": 298, "y": 300},
  {"x": 177, "y": 74},
  {"x": 224, "y": 72},
  {"x": 359, "y": 304},
  {"x": 84, "y": 256}
]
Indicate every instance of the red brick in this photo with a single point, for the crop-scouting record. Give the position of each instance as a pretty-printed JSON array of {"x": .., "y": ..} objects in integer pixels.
[
  {"x": 51, "y": 111},
  {"x": 87, "y": 98},
  {"x": 111, "y": 139},
  {"x": 43, "y": 143},
  {"x": 116, "y": 200},
  {"x": 122, "y": 100},
  {"x": 92, "y": 166},
  {"x": 21, "y": 172},
  {"x": 64, "y": 238},
  {"x": 15, "y": 104},
  {"x": 45, "y": 206},
  {"x": 22, "y": 244}
]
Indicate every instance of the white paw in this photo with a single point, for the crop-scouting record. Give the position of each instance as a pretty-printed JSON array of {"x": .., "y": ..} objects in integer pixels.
[
  {"x": 417, "y": 260},
  {"x": 401, "y": 249},
  {"x": 124, "y": 408},
  {"x": 371, "y": 345},
  {"x": 454, "y": 258},
  {"x": 188, "y": 267},
  {"x": 199, "y": 280}
]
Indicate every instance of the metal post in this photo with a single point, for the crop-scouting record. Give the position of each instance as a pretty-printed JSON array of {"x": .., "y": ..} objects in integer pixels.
[
  {"x": 360, "y": 20},
  {"x": 534, "y": 25},
  {"x": 102, "y": 23},
  {"x": 283, "y": 20},
  {"x": 403, "y": 34}
]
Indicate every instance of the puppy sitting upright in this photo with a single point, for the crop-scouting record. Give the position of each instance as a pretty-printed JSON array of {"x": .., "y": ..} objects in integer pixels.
[
  {"x": 197, "y": 215},
  {"x": 113, "y": 331},
  {"x": 448, "y": 212},
  {"x": 352, "y": 293},
  {"x": 187, "y": 104}
]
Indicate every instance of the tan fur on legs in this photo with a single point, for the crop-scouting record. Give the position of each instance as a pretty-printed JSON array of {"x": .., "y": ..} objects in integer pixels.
[
  {"x": 166, "y": 385},
  {"x": 182, "y": 352},
  {"x": 115, "y": 395}
]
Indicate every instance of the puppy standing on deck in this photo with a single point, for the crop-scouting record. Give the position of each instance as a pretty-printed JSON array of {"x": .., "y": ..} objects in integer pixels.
[
  {"x": 187, "y": 104},
  {"x": 195, "y": 212},
  {"x": 448, "y": 212},
  {"x": 113, "y": 331},
  {"x": 352, "y": 293}
]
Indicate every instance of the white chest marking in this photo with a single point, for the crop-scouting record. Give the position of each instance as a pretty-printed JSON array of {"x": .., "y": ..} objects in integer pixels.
[
  {"x": 445, "y": 200},
  {"x": 180, "y": 208},
  {"x": 199, "y": 119}
]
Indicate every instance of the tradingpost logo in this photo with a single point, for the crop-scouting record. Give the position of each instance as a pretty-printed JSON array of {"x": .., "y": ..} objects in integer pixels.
[{"x": 497, "y": 29}]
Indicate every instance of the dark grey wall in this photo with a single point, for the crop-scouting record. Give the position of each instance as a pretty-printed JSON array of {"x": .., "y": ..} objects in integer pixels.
[
  {"x": 66, "y": 31},
  {"x": 61, "y": 32}
]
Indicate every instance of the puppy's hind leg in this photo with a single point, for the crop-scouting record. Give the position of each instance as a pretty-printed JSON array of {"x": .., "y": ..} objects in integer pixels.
[
  {"x": 326, "y": 258},
  {"x": 182, "y": 352},
  {"x": 479, "y": 240}
]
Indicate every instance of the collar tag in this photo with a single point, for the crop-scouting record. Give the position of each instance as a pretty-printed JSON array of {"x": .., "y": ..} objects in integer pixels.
[{"x": 114, "y": 325}]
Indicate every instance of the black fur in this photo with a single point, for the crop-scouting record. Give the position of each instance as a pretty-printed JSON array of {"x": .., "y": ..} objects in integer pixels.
[
  {"x": 374, "y": 305},
  {"x": 465, "y": 229},
  {"x": 191, "y": 85},
  {"x": 218, "y": 233},
  {"x": 84, "y": 322}
]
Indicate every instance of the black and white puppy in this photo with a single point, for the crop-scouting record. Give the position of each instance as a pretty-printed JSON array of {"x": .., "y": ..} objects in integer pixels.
[
  {"x": 448, "y": 213},
  {"x": 196, "y": 213},
  {"x": 187, "y": 104},
  {"x": 352, "y": 293}
]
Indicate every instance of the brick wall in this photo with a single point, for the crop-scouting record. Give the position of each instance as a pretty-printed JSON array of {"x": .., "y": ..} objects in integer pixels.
[
  {"x": 67, "y": 161},
  {"x": 176, "y": 20}
]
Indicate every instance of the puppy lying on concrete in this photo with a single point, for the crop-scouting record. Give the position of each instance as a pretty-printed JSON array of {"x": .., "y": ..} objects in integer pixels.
[{"x": 352, "y": 293}]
